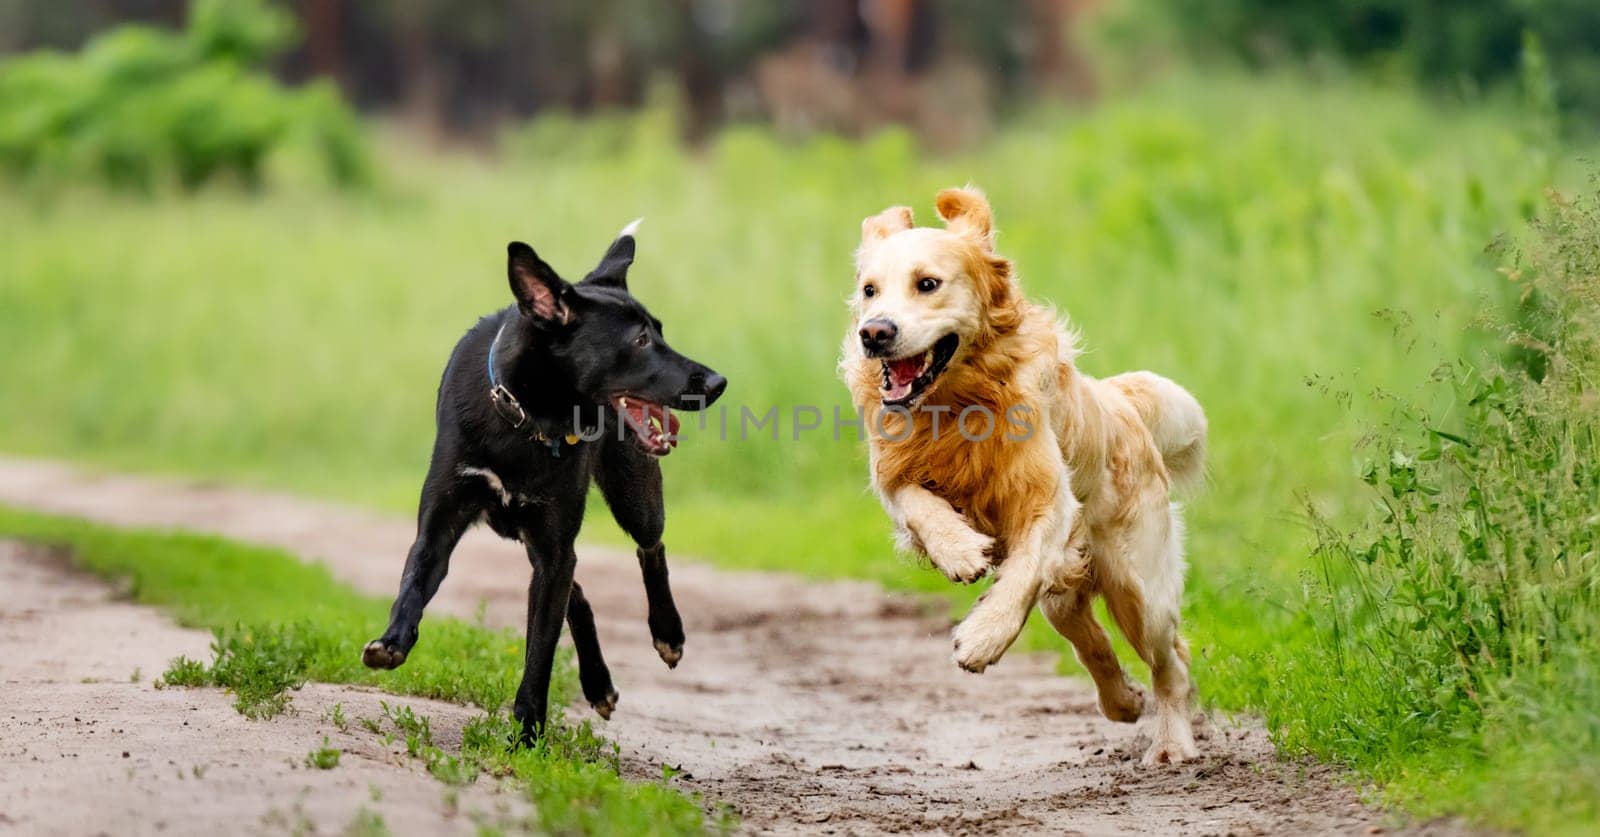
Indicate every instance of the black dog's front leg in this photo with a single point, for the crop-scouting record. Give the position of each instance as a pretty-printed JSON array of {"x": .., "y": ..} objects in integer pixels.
[
  {"x": 553, "y": 562},
  {"x": 630, "y": 480},
  {"x": 443, "y": 518},
  {"x": 592, "y": 671}
]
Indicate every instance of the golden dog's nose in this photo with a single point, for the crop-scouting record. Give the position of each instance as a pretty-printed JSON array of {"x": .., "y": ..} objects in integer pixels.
[{"x": 877, "y": 335}]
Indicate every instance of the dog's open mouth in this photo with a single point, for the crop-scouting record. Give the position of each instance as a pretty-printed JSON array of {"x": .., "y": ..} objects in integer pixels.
[
  {"x": 654, "y": 426},
  {"x": 906, "y": 379}
]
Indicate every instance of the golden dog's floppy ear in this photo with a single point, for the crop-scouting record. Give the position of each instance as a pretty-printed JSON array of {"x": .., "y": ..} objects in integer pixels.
[
  {"x": 886, "y": 223},
  {"x": 966, "y": 211}
]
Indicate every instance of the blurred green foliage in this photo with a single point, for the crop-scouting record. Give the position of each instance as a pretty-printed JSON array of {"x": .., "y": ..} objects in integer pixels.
[
  {"x": 1475, "y": 43},
  {"x": 141, "y": 106}
]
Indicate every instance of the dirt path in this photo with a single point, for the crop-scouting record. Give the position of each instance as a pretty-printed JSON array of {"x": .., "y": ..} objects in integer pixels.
[
  {"x": 810, "y": 707},
  {"x": 86, "y": 749}
]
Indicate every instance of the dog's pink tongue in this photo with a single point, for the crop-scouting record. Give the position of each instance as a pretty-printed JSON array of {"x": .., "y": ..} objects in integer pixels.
[{"x": 903, "y": 372}]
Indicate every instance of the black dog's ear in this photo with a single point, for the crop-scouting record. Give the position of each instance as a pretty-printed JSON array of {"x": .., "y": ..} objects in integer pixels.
[
  {"x": 613, "y": 269},
  {"x": 540, "y": 293}
]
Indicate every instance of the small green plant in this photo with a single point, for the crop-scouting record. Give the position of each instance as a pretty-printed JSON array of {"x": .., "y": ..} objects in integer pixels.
[
  {"x": 416, "y": 728},
  {"x": 259, "y": 667},
  {"x": 183, "y": 671},
  {"x": 367, "y": 823},
  {"x": 418, "y": 731},
  {"x": 336, "y": 717},
  {"x": 324, "y": 758}
]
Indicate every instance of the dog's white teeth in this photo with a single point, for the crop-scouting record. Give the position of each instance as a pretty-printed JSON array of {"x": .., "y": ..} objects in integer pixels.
[{"x": 624, "y": 403}]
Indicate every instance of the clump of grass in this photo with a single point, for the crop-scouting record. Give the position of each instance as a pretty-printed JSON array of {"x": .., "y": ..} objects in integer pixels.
[
  {"x": 367, "y": 823},
  {"x": 323, "y": 758},
  {"x": 261, "y": 663},
  {"x": 579, "y": 802},
  {"x": 1457, "y": 622},
  {"x": 257, "y": 667},
  {"x": 183, "y": 671}
]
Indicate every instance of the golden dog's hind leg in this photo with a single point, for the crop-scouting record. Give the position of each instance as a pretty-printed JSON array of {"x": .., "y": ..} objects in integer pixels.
[
  {"x": 1146, "y": 609},
  {"x": 1072, "y": 615}
]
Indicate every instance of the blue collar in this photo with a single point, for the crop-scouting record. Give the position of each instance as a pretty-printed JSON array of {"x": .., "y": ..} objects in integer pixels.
[{"x": 511, "y": 409}]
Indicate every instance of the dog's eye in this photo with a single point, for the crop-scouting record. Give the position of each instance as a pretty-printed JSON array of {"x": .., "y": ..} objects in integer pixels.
[
  {"x": 869, "y": 291},
  {"x": 927, "y": 284},
  {"x": 643, "y": 340}
]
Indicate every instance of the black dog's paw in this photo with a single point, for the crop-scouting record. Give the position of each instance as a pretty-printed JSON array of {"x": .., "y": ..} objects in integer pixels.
[
  {"x": 666, "y": 632},
  {"x": 670, "y": 654},
  {"x": 597, "y": 689},
  {"x": 380, "y": 654},
  {"x": 605, "y": 706}
]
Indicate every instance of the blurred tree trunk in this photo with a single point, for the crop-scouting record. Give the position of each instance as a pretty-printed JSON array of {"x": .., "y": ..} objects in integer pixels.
[
  {"x": 10, "y": 26},
  {"x": 420, "y": 66},
  {"x": 836, "y": 22},
  {"x": 697, "y": 72},
  {"x": 324, "y": 32},
  {"x": 611, "y": 78},
  {"x": 886, "y": 65},
  {"x": 1057, "y": 65}
]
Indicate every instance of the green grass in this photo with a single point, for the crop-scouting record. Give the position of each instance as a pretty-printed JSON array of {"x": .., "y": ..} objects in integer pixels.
[
  {"x": 281, "y": 622},
  {"x": 1261, "y": 241},
  {"x": 1457, "y": 621}
]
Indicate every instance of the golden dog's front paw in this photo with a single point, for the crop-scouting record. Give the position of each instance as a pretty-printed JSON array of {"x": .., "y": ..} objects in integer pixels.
[
  {"x": 963, "y": 555},
  {"x": 981, "y": 640}
]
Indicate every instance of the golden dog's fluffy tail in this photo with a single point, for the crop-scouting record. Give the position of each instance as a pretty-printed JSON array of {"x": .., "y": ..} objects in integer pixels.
[{"x": 1176, "y": 422}]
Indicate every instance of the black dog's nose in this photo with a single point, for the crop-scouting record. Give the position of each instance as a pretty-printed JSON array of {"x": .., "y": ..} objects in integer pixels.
[
  {"x": 708, "y": 386},
  {"x": 714, "y": 386},
  {"x": 878, "y": 335}
]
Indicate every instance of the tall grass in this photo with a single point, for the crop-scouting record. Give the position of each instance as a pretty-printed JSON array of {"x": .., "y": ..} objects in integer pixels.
[{"x": 1457, "y": 623}]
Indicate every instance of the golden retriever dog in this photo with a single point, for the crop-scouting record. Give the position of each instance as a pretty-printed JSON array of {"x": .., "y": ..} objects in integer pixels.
[{"x": 991, "y": 452}]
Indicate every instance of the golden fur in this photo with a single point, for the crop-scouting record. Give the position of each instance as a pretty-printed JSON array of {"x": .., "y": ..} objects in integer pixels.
[{"x": 1078, "y": 507}]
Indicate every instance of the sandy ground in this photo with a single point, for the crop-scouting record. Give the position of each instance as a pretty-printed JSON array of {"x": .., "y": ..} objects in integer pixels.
[
  {"x": 819, "y": 708},
  {"x": 86, "y": 750}
]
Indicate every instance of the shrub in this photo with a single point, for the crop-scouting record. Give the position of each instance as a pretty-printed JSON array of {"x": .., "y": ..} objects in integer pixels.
[{"x": 140, "y": 105}]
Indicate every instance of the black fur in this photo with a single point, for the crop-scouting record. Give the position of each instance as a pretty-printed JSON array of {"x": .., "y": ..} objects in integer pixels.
[{"x": 565, "y": 353}]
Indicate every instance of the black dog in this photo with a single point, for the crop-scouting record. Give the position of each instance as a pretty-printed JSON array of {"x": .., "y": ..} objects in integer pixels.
[{"x": 573, "y": 382}]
